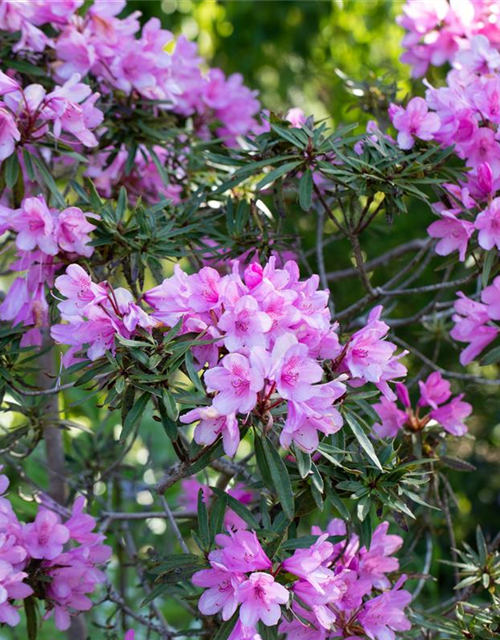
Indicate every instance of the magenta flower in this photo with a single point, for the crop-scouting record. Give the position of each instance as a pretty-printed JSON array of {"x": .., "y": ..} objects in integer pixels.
[
  {"x": 454, "y": 233},
  {"x": 72, "y": 232},
  {"x": 244, "y": 325},
  {"x": 414, "y": 122},
  {"x": 471, "y": 326},
  {"x": 221, "y": 593},
  {"x": 296, "y": 117},
  {"x": 79, "y": 290},
  {"x": 240, "y": 552},
  {"x": 392, "y": 418},
  {"x": 293, "y": 370},
  {"x": 211, "y": 425},
  {"x": 490, "y": 296},
  {"x": 434, "y": 391},
  {"x": 35, "y": 226},
  {"x": 383, "y": 615},
  {"x": 368, "y": 355},
  {"x": 237, "y": 383},
  {"x": 9, "y": 134},
  {"x": 260, "y": 597},
  {"x": 241, "y": 632},
  {"x": 488, "y": 225},
  {"x": 451, "y": 416},
  {"x": 305, "y": 561},
  {"x": 204, "y": 288},
  {"x": 45, "y": 537},
  {"x": 376, "y": 562}
]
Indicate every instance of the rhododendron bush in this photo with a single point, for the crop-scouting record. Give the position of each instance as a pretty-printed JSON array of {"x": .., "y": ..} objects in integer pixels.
[{"x": 206, "y": 433}]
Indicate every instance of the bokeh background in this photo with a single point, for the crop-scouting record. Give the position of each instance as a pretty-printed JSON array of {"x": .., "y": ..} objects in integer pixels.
[{"x": 295, "y": 53}]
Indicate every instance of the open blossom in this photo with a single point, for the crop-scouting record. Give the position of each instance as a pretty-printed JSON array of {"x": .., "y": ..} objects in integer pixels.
[
  {"x": 261, "y": 596},
  {"x": 35, "y": 226},
  {"x": 392, "y": 418},
  {"x": 384, "y": 615},
  {"x": 45, "y": 537},
  {"x": 240, "y": 552},
  {"x": 434, "y": 391},
  {"x": 211, "y": 425},
  {"x": 454, "y": 234},
  {"x": 9, "y": 134},
  {"x": 237, "y": 382},
  {"x": 452, "y": 415},
  {"x": 221, "y": 591},
  {"x": 472, "y": 320},
  {"x": 488, "y": 225},
  {"x": 414, "y": 122}
]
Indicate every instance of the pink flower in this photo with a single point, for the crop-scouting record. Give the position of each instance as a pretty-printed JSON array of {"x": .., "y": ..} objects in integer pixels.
[
  {"x": 221, "y": 593},
  {"x": 261, "y": 596},
  {"x": 484, "y": 148},
  {"x": 211, "y": 425},
  {"x": 414, "y": 122},
  {"x": 454, "y": 233},
  {"x": 240, "y": 552},
  {"x": 45, "y": 537},
  {"x": 9, "y": 134},
  {"x": 383, "y": 615},
  {"x": 434, "y": 391},
  {"x": 305, "y": 561},
  {"x": 245, "y": 324},
  {"x": 35, "y": 226},
  {"x": 79, "y": 290},
  {"x": 317, "y": 414},
  {"x": 488, "y": 225},
  {"x": 296, "y": 117},
  {"x": 451, "y": 416},
  {"x": 204, "y": 289},
  {"x": 367, "y": 354},
  {"x": 12, "y": 586},
  {"x": 237, "y": 383},
  {"x": 293, "y": 370},
  {"x": 376, "y": 562},
  {"x": 471, "y": 326},
  {"x": 241, "y": 632},
  {"x": 130, "y": 635},
  {"x": 392, "y": 418},
  {"x": 491, "y": 298},
  {"x": 72, "y": 232}
]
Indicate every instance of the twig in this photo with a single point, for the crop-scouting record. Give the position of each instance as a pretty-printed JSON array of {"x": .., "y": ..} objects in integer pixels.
[{"x": 173, "y": 524}]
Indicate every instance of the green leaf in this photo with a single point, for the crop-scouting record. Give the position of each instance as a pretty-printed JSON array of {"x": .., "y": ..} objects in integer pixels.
[
  {"x": 49, "y": 181},
  {"x": 305, "y": 190},
  {"x": 481, "y": 545},
  {"x": 279, "y": 473},
  {"x": 303, "y": 462},
  {"x": 170, "y": 404},
  {"x": 28, "y": 164},
  {"x": 277, "y": 173},
  {"x": 31, "y": 618},
  {"x": 362, "y": 439},
  {"x": 134, "y": 416},
  {"x": 203, "y": 527},
  {"x": 168, "y": 423},
  {"x": 491, "y": 357},
  {"x": 239, "y": 508},
  {"x": 192, "y": 373},
  {"x": 487, "y": 266},
  {"x": 217, "y": 516},
  {"x": 226, "y": 628},
  {"x": 11, "y": 170}
]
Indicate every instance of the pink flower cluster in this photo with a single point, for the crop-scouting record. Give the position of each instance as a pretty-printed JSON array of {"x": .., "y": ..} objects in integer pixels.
[
  {"x": 95, "y": 314},
  {"x": 434, "y": 393},
  {"x": 42, "y": 234},
  {"x": 464, "y": 113},
  {"x": 30, "y": 113},
  {"x": 56, "y": 562},
  {"x": 149, "y": 63},
  {"x": 438, "y": 30},
  {"x": 475, "y": 321},
  {"x": 331, "y": 590},
  {"x": 269, "y": 334}
]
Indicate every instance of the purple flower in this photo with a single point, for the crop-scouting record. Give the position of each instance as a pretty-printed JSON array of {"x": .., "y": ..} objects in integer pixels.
[
  {"x": 454, "y": 233},
  {"x": 237, "y": 383},
  {"x": 488, "y": 225},
  {"x": 392, "y": 418},
  {"x": 35, "y": 226},
  {"x": 451, "y": 416},
  {"x": 45, "y": 537},
  {"x": 414, "y": 122},
  {"x": 434, "y": 391},
  {"x": 260, "y": 597}
]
